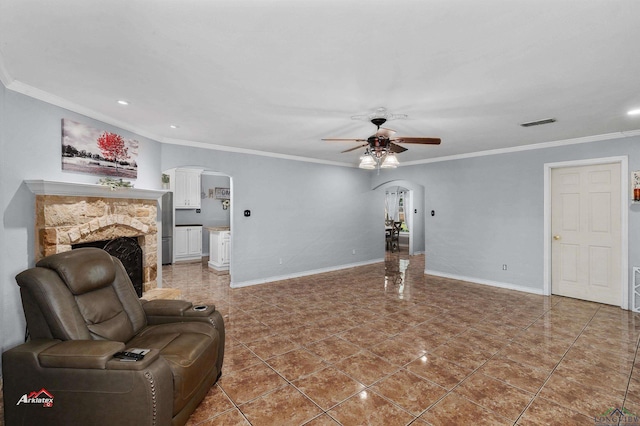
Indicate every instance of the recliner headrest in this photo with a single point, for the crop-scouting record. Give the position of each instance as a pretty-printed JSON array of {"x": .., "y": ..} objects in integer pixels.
[{"x": 82, "y": 270}]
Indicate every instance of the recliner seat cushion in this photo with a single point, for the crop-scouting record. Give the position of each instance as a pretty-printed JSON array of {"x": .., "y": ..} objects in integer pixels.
[{"x": 188, "y": 347}]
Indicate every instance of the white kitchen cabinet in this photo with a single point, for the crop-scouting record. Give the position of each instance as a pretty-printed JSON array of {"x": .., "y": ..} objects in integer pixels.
[
  {"x": 219, "y": 244},
  {"x": 185, "y": 184},
  {"x": 187, "y": 243}
]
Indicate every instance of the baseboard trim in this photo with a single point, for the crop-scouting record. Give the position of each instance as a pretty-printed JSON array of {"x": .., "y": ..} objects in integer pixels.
[
  {"x": 507, "y": 286},
  {"x": 302, "y": 274}
]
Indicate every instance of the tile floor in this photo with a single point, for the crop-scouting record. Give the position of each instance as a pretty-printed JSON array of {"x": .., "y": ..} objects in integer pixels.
[
  {"x": 364, "y": 346},
  {"x": 378, "y": 346}
]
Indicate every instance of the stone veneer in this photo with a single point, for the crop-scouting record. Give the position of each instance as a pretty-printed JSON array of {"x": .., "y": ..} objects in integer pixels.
[{"x": 63, "y": 220}]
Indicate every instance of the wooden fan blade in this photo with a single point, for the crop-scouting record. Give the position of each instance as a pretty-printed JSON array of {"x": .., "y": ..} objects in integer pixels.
[
  {"x": 344, "y": 140},
  {"x": 396, "y": 148},
  {"x": 427, "y": 141},
  {"x": 354, "y": 148}
]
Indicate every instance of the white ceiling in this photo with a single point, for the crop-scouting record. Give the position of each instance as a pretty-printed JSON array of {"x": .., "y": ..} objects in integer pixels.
[{"x": 277, "y": 76}]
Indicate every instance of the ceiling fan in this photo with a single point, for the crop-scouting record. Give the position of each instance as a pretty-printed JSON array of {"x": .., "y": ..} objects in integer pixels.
[{"x": 383, "y": 145}]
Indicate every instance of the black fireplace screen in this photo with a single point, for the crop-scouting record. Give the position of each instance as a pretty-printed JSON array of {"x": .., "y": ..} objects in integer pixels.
[{"x": 128, "y": 251}]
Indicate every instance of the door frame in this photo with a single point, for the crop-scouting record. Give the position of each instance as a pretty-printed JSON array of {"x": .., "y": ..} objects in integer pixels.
[
  {"x": 416, "y": 211},
  {"x": 624, "y": 219},
  {"x": 210, "y": 172}
]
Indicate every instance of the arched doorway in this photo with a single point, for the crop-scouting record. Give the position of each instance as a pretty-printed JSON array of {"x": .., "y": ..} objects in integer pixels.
[
  {"x": 412, "y": 209},
  {"x": 212, "y": 212}
]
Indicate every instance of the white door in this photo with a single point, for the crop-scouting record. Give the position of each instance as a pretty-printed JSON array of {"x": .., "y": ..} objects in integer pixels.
[{"x": 586, "y": 233}]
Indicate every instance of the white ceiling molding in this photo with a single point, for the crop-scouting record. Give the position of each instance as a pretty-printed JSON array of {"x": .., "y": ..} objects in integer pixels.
[
  {"x": 204, "y": 145},
  {"x": 543, "y": 145}
]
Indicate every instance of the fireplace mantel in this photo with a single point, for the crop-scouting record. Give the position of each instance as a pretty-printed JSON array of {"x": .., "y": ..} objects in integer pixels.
[
  {"x": 68, "y": 214},
  {"x": 73, "y": 189}
]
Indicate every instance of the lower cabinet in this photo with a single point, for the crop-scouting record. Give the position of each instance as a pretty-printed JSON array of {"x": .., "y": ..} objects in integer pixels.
[
  {"x": 188, "y": 243},
  {"x": 219, "y": 250}
]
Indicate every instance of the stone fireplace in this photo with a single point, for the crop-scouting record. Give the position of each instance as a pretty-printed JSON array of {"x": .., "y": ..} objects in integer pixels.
[{"x": 70, "y": 214}]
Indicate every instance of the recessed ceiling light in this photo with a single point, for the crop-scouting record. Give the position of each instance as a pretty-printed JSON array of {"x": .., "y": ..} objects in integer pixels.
[
  {"x": 634, "y": 112},
  {"x": 123, "y": 102},
  {"x": 173, "y": 126}
]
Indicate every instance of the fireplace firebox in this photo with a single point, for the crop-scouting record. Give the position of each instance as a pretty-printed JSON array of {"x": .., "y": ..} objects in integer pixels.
[{"x": 128, "y": 251}]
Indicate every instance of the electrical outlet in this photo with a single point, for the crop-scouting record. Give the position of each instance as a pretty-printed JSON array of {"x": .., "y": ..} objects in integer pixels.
[{"x": 504, "y": 267}]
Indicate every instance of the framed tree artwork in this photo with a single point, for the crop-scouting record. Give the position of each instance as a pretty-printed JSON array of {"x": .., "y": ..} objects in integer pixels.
[{"x": 86, "y": 149}]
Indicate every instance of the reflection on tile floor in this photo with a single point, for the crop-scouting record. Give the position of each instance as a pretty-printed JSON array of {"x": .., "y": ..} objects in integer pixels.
[{"x": 387, "y": 345}]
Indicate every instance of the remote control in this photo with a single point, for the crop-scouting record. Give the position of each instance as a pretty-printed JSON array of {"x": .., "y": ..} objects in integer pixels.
[{"x": 128, "y": 355}]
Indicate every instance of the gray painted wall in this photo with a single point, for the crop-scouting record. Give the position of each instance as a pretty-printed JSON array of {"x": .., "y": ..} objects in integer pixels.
[
  {"x": 310, "y": 216},
  {"x": 31, "y": 145},
  {"x": 490, "y": 210},
  {"x": 30, "y": 133}
]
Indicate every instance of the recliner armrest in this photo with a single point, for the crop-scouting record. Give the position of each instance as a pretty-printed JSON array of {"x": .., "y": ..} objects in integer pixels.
[
  {"x": 80, "y": 354},
  {"x": 165, "y": 307},
  {"x": 175, "y": 308}
]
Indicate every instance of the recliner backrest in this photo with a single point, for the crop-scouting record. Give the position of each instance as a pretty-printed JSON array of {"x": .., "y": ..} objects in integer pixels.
[{"x": 81, "y": 294}]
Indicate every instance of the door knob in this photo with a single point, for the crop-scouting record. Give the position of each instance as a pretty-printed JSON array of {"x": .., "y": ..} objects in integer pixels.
[{"x": 556, "y": 237}]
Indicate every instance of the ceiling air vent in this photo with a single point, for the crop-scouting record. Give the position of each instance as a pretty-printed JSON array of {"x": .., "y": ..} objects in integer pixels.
[{"x": 539, "y": 122}]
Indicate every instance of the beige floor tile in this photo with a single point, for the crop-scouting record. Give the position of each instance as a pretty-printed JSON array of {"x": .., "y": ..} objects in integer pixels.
[
  {"x": 366, "y": 367},
  {"x": 519, "y": 375},
  {"x": 457, "y": 410},
  {"x": 409, "y": 391},
  {"x": 323, "y": 420},
  {"x": 238, "y": 357},
  {"x": 328, "y": 387},
  {"x": 438, "y": 370},
  {"x": 333, "y": 349},
  {"x": 244, "y": 385},
  {"x": 296, "y": 364},
  {"x": 268, "y": 347},
  {"x": 284, "y": 406},
  {"x": 368, "y": 408},
  {"x": 543, "y": 412},
  {"x": 215, "y": 402},
  {"x": 228, "y": 418},
  {"x": 398, "y": 351},
  {"x": 330, "y": 337},
  {"x": 586, "y": 400},
  {"x": 495, "y": 395}
]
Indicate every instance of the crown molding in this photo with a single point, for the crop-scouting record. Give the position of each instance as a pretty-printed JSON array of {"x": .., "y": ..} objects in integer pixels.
[
  {"x": 531, "y": 147},
  {"x": 204, "y": 145},
  {"x": 49, "y": 98}
]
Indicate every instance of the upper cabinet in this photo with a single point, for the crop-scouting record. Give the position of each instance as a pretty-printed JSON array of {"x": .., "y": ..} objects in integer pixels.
[{"x": 185, "y": 184}]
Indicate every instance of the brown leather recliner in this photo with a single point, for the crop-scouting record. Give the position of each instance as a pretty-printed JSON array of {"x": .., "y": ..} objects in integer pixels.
[{"x": 81, "y": 309}]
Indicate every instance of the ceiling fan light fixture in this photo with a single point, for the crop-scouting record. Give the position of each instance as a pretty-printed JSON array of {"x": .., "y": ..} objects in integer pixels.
[
  {"x": 390, "y": 161},
  {"x": 367, "y": 162}
]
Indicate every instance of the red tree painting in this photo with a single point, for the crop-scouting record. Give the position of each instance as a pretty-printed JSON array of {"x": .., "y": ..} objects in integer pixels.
[{"x": 113, "y": 147}]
